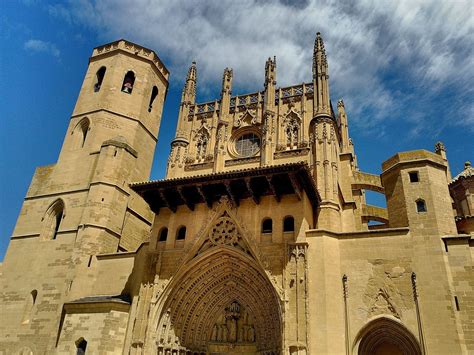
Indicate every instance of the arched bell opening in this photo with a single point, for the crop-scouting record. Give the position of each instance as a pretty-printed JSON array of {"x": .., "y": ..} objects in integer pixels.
[
  {"x": 386, "y": 336},
  {"x": 223, "y": 302}
]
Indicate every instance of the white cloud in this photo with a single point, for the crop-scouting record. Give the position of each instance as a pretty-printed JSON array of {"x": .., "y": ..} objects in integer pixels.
[
  {"x": 374, "y": 47},
  {"x": 42, "y": 46}
]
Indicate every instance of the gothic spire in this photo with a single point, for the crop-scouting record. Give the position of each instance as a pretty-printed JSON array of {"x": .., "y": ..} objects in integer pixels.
[
  {"x": 189, "y": 90},
  {"x": 320, "y": 64}
]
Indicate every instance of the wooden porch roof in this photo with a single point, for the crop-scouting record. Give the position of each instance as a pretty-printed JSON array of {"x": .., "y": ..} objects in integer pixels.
[{"x": 276, "y": 180}]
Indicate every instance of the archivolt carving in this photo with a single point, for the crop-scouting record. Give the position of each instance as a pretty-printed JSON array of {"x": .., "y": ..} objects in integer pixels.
[
  {"x": 211, "y": 287},
  {"x": 221, "y": 281},
  {"x": 234, "y": 325},
  {"x": 383, "y": 331}
]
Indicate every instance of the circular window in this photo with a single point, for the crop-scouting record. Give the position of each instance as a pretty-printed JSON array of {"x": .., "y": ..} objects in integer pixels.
[{"x": 247, "y": 144}]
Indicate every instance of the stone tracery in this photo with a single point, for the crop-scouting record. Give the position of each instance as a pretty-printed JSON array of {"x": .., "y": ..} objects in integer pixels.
[{"x": 292, "y": 129}]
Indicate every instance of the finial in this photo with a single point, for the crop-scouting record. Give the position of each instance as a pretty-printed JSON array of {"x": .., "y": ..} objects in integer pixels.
[
  {"x": 439, "y": 146},
  {"x": 467, "y": 165},
  {"x": 340, "y": 103}
]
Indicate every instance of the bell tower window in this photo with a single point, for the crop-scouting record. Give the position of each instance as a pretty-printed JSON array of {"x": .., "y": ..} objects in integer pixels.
[
  {"x": 52, "y": 220},
  {"x": 128, "y": 82},
  {"x": 154, "y": 94},
  {"x": 80, "y": 133},
  {"x": 99, "y": 78}
]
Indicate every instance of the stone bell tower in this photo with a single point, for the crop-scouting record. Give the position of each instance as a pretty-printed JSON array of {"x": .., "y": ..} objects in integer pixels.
[{"x": 82, "y": 206}]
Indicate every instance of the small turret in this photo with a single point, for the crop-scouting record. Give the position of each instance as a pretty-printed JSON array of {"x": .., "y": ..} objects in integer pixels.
[{"x": 440, "y": 149}]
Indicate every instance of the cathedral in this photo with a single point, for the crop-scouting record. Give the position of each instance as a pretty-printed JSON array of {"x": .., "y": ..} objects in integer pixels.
[{"x": 259, "y": 239}]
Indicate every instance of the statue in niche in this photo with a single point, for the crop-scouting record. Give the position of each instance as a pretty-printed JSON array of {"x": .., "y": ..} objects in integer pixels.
[
  {"x": 234, "y": 325},
  {"x": 215, "y": 333},
  {"x": 232, "y": 315},
  {"x": 251, "y": 334}
]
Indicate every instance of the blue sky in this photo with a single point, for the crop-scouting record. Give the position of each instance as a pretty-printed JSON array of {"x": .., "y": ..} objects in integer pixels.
[{"x": 403, "y": 68}]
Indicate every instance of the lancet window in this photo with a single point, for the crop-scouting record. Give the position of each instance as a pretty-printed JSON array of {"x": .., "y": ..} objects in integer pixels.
[
  {"x": 99, "y": 78},
  {"x": 202, "y": 142},
  {"x": 128, "y": 82},
  {"x": 52, "y": 220}
]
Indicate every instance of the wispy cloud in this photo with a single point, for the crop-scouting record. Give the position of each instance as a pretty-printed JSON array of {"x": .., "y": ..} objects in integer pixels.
[
  {"x": 390, "y": 60},
  {"x": 42, "y": 46}
]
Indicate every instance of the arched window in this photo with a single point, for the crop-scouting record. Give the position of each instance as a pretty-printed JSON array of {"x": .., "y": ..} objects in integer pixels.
[
  {"x": 81, "y": 345},
  {"x": 163, "y": 234},
  {"x": 99, "y": 78},
  {"x": 128, "y": 82},
  {"x": 181, "y": 235},
  {"x": 289, "y": 224},
  {"x": 267, "y": 225},
  {"x": 30, "y": 303},
  {"x": 247, "y": 144},
  {"x": 154, "y": 94},
  {"x": 420, "y": 205},
  {"x": 80, "y": 133},
  {"x": 52, "y": 220}
]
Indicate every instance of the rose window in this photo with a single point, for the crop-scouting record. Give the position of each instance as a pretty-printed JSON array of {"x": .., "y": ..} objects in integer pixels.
[{"x": 247, "y": 144}]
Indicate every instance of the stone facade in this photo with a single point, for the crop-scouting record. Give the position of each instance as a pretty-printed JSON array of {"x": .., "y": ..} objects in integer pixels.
[{"x": 258, "y": 241}]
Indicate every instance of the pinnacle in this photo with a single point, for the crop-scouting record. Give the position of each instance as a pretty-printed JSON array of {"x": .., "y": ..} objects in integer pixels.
[
  {"x": 319, "y": 44},
  {"x": 192, "y": 71}
]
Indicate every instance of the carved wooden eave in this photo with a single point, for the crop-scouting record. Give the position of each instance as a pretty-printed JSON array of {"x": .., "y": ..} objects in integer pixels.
[{"x": 278, "y": 180}]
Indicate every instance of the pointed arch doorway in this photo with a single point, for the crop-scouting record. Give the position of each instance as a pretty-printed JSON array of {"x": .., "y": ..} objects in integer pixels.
[{"x": 221, "y": 301}]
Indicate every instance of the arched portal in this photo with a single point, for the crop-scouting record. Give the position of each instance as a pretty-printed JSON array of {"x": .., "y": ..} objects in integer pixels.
[
  {"x": 384, "y": 336},
  {"x": 222, "y": 302}
]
